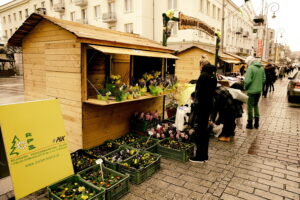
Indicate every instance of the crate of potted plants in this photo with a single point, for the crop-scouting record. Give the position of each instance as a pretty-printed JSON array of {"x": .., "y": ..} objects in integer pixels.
[
  {"x": 115, "y": 184},
  {"x": 141, "y": 166},
  {"x": 143, "y": 121},
  {"x": 103, "y": 149},
  {"x": 174, "y": 149},
  {"x": 74, "y": 188},
  {"x": 127, "y": 139},
  {"x": 123, "y": 153},
  {"x": 82, "y": 160},
  {"x": 146, "y": 144}
]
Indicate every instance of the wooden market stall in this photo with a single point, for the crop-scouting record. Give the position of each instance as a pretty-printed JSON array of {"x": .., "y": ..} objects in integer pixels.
[
  {"x": 187, "y": 67},
  {"x": 65, "y": 60}
]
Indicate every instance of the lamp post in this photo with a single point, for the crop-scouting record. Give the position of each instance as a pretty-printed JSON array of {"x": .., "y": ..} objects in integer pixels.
[
  {"x": 279, "y": 32},
  {"x": 274, "y": 8}
]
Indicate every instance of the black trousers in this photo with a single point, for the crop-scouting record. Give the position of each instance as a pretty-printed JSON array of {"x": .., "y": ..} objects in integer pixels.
[
  {"x": 266, "y": 88},
  {"x": 202, "y": 136},
  {"x": 229, "y": 125}
]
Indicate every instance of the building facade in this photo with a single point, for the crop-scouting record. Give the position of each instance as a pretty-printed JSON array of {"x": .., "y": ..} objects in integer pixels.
[{"x": 142, "y": 17}]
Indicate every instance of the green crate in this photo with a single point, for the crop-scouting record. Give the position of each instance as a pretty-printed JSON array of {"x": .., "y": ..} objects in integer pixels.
[
  {"x": 180, "y": 155},
  {"x": 131, "y": 135},
  {"x": 114, "y": 165},
  {"x": 143, "y": 125},
  {"x": 152, "y": 148},
  {"x": 99, "y": 192},
  {"x": 77, "y": 158},
  {"x": 115, "y": 191},
  {"x": 99, "y": 152},
  {"x": 138, "y": 176}
]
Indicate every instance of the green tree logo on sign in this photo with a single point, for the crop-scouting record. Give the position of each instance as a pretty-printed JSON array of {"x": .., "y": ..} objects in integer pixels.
[{"x": 18, "y": 145}]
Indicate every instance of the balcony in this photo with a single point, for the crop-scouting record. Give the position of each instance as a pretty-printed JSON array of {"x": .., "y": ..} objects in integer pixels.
[
  {"x": 246, "y": 34},
  {"x": 239, "y": 30},
  {"x": 82, "y": 21},
  {"x": 59, "y": 7},
  {"x": 80, "y": 2},
  {"x": 109, "y": 17}
]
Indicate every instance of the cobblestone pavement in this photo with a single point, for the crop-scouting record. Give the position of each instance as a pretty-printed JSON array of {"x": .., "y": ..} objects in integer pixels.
[{"x": 257, "y": 164}]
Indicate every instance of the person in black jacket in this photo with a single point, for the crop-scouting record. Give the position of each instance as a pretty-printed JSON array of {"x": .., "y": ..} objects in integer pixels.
[{"x": 204, "y": 93}]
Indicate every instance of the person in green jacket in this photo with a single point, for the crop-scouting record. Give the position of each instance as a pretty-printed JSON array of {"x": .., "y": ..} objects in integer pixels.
[{"x": 253, "y": 84}]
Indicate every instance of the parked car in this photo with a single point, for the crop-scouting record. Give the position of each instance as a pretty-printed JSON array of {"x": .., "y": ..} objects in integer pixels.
[{"x": 293, "y": 88}]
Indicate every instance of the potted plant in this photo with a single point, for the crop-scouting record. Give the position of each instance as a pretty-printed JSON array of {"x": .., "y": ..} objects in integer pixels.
[
  {"x": 171, "y": 107},
  {"x": 121, "y": 93}
]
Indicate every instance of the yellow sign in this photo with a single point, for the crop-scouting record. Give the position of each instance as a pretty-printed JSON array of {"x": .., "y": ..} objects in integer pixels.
[
  {"x": 187, "y": 22},
  {"x": 36, "y": 145}
]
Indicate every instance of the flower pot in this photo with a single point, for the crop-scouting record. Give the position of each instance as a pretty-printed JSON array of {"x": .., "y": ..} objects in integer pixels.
[{"x": 122, "y": 97}]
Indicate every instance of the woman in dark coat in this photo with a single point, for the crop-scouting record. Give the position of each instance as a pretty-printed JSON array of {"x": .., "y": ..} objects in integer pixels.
[{"x": 204, "y": 93}]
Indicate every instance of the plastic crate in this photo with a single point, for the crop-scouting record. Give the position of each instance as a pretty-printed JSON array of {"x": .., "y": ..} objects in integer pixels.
[
  {"x": 138, "y": 176},
  {"x": 180, "y": 155},
  {"x": 99, "y": 192},
  {"x": 152, "y": 148},
  {"x": 82, "y": 160},
  {"x": 115, "y": 191},
  {"x": 101, "y": 150},
  {"x": 114, "y": 165},
  {"x": 124, "y": 140},
  {"x": 143, "y": 125}
]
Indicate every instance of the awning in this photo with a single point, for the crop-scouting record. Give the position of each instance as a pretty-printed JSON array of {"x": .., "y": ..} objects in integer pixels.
[
  {"x": 232, "y": 61},
  {"x": 135, "y": 52}
]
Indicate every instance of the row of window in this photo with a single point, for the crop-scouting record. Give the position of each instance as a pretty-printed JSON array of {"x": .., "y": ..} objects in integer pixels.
[{"x": 210, "y": 9}]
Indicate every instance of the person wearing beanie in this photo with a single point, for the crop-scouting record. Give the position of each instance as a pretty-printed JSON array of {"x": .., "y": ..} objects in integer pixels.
[{"x": 254, "y": 81}]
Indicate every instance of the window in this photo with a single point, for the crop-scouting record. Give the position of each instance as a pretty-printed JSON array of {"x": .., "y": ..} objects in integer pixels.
[
  {"x": 26, "y": 12},
  {"x": 207, "y": 7},
  {"x": 129, "y": 28},
  {"x": 4, "y": 20},
  {"x": 15, "y": 16},
  {"x": 172, "y": 4},
  {"x": 43, "y": 4},
  {"x": 72, "y": 16},
  {"x": 20, "y": 15},
  {"x": 9, "y": 19},
  {"x": 214, "y": 15},
  {"x": 83, "y": 13},
  {"x": 201, "y": 5},
  {"x": 34, "y": 7},
  {"x": 219, "y": 13},
  {"x": 174, "y": 30},
  {"x": 6, "y": 33},
  {"x": 10, "y": 30},
  {"x": 97, "y": 11},
  {"x": 51, "y": 3},
  {"x": 111, "y": 7},
  {"x": 128, "y": 6}
]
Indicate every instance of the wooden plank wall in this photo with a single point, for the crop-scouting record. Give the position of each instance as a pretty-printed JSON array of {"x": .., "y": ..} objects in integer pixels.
[
  {"x": 187, "y": 67},
  {"x": 121, "y": 66},
  {"x": 52, "y": 69},
  {"x": 101, "y": 123}
]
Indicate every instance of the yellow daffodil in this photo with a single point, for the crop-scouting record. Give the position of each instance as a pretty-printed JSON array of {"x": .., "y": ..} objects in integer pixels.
[
  {"x": 170, "y": 14},
  {"x": 84, "y": 196}
]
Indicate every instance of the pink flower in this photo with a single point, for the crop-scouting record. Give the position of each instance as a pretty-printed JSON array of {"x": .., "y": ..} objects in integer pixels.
[
  {"x": 186, "y": 137},
  {"x": 163, "y": 136},
  {"x": 191, "y": 131},
  {"x": 142, "y": 115},
  {"x": 177, "y": 136},
  {"x": 182, "y": 135},
  {"x": 171, "y": 136}
]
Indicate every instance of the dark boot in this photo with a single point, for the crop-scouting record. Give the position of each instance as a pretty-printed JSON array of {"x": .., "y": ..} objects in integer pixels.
[
  {"x": 250, "y": 124},
  {"x": 256, "y": 122}
]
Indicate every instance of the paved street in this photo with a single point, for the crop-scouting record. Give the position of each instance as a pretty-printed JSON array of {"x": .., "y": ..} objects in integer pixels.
[{"x": 258, "y": 164}]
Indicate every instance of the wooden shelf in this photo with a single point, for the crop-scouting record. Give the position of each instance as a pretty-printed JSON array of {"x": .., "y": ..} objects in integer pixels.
[{"x": 112, "y": 102}]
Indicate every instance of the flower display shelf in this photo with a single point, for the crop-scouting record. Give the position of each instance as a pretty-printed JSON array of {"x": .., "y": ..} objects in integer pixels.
[
  {"x": 151, "y": 147},
  {"x": 128, "y": 152},
  {"x": 82, "y": 160},
  {"x": 83, "y": 190},
  {"x": 181, "y": 154},
  {"x": 95, "y": 101},
  {"x": 140, "y": 174},
  {"x": 116, "y": 185},
  {"x": 103, "y": 149}
]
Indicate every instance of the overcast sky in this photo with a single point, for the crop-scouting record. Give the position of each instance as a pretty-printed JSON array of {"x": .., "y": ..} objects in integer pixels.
[{"x": 287, "y": 20}]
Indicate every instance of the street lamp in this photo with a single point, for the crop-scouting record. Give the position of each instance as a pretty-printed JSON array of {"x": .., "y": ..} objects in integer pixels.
[
  {"x": 279, "y": 32},
  {"x": 274, "y": 7}
]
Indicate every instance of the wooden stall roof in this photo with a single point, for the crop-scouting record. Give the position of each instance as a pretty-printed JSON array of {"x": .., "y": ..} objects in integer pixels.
[
  {"x": 223, "y": 56},
  {"x": 88, "y": 34}
]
